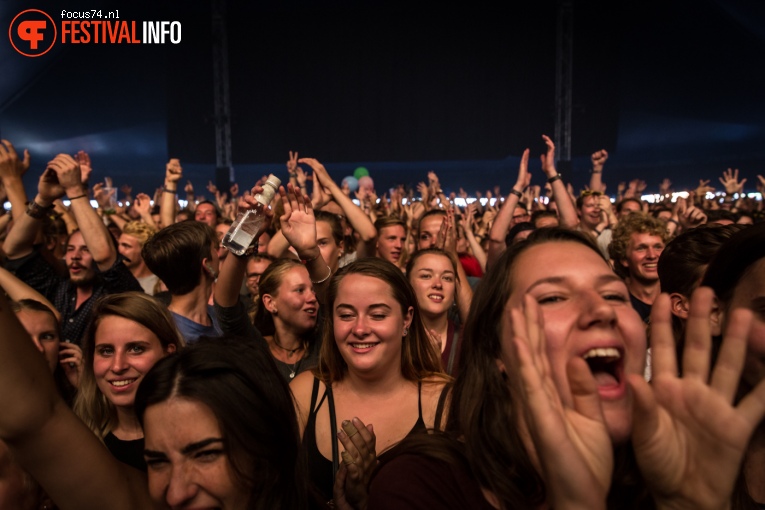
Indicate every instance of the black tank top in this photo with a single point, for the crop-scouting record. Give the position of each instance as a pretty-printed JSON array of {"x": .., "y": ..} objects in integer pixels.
[{"x": 320, "y": 468}]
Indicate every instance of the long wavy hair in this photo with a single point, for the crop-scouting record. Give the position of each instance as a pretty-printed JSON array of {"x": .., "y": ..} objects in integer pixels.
[
  {"x": 238, "y": 381},
  {"x": 419, "y": 358},
  {"x": 92, "y": 406}
]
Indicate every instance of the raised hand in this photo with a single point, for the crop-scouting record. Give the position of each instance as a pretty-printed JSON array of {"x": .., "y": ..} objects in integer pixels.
[
  {"x": 70, "y": 359},
  {"x": 730, "y": 180},
  {"x": 524, "y": 176},
  {"x": 173, "y": 171},
  {"x": 292, "y": 163},
  {"x": 432, "y": 178},
  {"x": 689, "y": 216},
  {"x": 298, "y": 221},
  {"x": 103, "y": 195},
  {"x": 703, "y": 188},
  {"x": 189, "y": 188},
  {"x": 359, "y": 461},
  {"x": 86, "y": 168},
  {"x": 212, "y": 188},
  {"x": 548, "y": 159},
  {"x": 234, "y": 191},
  {"x": 577, "y": 434},
  {"x": 689, "y": 438},
  {"x": 599, "y": 159},
  {"x": 10, "y": 164},
  {"x": 142, "y": 204},
  {"x": 68, "y": 173},
  {"x": 665, "y": 186}
]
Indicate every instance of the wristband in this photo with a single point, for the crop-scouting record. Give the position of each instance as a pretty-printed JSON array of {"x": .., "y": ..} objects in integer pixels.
[
  {"x": 167, "y": 190},
  {"x": 554, "y": 178},
  {"x": 84, "y": 195},
  {"x": 36, "y": 211},
  {"x": 596, "y": 171},
  {"x": 673, "y": 221},
  {"x": 598, "y": 232},
  {"x": 516, "y": 193}
]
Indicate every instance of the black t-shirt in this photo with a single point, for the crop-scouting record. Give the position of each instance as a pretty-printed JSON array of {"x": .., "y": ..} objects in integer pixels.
[
  {"x": 127, "y": 452},
  {"x": 643, "y": 309}
]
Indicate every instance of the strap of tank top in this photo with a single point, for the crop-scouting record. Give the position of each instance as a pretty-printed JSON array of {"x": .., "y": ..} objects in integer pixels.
[
  {"x": 453, "y": 350},
  {"x": 333, "y": 428},
  {"x": 314, "y": 395},
  {"x": 440, "y": 406},
  {"x": 419, "y": 398}
]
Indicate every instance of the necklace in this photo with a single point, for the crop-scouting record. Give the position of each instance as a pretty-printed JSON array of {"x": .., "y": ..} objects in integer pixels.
[
  {"x": 294, "y": 368},
  {"x": 290, "y": 352}
]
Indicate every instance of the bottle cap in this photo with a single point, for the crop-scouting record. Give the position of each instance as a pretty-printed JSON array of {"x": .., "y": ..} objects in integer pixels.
[{"x": 269, "y": 188}]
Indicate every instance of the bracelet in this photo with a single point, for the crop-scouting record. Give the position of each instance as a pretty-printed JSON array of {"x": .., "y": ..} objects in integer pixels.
[
  {"x": 84, "y": 195},
  {"x": 38, "y": 212},
  {"x": 598, "y": 232},
  {"x": 108, "y": 212},
  {"x": 554, "y": 178},
  {"x": 673, "y": 221},
  {"x": 329, "y": 273},
  {"x": 596, "y": 171},
  {"x": 516, "y": 193},
  {"x": 166, "y": 190}
]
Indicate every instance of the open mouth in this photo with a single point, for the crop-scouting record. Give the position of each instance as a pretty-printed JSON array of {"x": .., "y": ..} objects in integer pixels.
[
  {"x": 607, "y": 367},
  {"x": 436, "y": 297}
]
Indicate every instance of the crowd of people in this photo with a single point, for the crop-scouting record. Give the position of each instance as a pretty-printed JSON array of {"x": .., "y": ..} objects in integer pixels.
[{"x": 414, "y": 350}]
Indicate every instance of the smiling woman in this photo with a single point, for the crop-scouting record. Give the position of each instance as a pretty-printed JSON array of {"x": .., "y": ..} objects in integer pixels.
[
  {"x": 378, "y": 365},
  {"x": 130, "y": 333},
  {"x": 551, "y": 369}
]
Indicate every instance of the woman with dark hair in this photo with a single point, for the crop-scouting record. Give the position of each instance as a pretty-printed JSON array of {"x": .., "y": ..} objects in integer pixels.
[
  {"x": 220, "y": 432},
  {"x": 433, "y": 274},
  {"x": 378, "y": 375},
  {"x": 130, "y": 332},
  {"x": 549, "y": 381},
  {"x": 220, "y": 414}
]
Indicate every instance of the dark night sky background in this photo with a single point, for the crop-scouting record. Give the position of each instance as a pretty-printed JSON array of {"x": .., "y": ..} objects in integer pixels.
[{"x": 671, "y": 89}]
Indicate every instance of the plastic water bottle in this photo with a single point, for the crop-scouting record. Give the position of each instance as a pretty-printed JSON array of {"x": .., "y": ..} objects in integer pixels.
[{"x": 243, "y": 231}]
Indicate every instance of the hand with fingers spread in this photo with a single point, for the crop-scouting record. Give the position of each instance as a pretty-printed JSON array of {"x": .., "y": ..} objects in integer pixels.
[
  {"x": 10, "y": 164},
  {"x": 703, "y": 188},
  {"x": 576, "y": 433},
  {"x": 730, "y": 180},
  {"x": 359, "y": 461},
  {"x": 689, "y": 438},
  {"x": 298, "y": 222}
]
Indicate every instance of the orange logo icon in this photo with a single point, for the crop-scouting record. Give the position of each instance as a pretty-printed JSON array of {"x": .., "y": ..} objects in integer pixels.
[{"x": 32, "y": 33}]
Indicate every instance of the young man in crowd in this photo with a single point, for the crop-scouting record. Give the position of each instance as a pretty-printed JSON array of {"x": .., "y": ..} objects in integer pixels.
[
  {"x": 134, "y": 236},
  {"x": 94, "y": 265},
  {"x": 185, "y": 257},
  {"x": 638, "y": 241}
]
